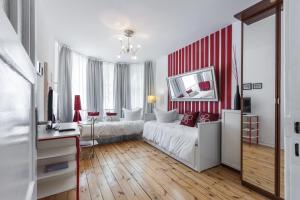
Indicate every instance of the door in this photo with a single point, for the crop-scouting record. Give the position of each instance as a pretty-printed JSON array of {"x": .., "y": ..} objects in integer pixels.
[
  {"x": 17, "y": 129},
  {"x": 292, "y": 97}
]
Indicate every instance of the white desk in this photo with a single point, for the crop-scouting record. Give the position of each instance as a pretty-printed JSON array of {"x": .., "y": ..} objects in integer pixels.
[{"x": 55, "y": 147}]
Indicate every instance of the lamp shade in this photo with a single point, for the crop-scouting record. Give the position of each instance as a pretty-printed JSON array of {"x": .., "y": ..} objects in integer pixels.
[
  {"x": 151, "y": 99},
  {"x": 77, "y": 103}
]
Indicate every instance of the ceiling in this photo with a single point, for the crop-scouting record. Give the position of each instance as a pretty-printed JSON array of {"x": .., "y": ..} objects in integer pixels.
[{"x": 92, "y": 27}]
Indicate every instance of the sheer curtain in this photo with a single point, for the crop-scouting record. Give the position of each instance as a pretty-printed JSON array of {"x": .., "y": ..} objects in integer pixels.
[
  {"x": 137, "y": 85},
  {"x": 108, "y": 86},
  {"x": 65, "y": 85},
  {"x": 79, "y": 66}
]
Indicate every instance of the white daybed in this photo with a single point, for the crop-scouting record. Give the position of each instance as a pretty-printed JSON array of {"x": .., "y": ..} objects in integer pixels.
[
  {"x": 198, "y": 148},
  {"x": 113, "y": 128}
]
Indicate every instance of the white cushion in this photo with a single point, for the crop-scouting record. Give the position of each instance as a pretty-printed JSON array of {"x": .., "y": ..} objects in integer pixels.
[
  {"x": 166, "y": 116},
  {"x": 112, "y": 118},
  {"x": 132, "y": 115}
]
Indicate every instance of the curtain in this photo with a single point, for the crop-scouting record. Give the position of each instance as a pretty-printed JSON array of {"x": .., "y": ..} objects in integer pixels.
[
  {"x": 94, "y": 85},
  {"x": 137, "y": 85},
  {"x": 121, "y": 87},
  {"x": 64, "y": 85},
  {"x": 79, "y": 66},
  {"x": 108, "y": 86},
  {"x": 148, "y": 85}
]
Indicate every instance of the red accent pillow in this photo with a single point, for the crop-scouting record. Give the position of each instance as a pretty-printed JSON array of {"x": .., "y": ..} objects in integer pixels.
[
  {"x": 204, "y": 86},
  {"x": 93, "y": 114},
  {"x": 189, "y": 91},
  {"x": 208, "y": 117},
  {"x": 189, "y": 119},
  {"x": 111, "y": 114}
]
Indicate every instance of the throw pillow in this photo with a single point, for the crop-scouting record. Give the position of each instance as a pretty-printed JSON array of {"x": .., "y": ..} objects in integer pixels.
[
  {"x": 111, "y": 114},
  {"x": 165, "y": 116},
  {"x": 132, "y": 115},
  {"x": 208, "y": 117},
  {"x": 189, "y": 119}
]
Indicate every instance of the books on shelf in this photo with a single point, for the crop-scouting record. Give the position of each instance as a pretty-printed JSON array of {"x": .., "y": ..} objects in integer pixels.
[{"x": 56, "y": 166}]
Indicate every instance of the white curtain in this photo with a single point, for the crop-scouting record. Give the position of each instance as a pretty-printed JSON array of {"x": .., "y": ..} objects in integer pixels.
[
  {"x": 79, "y": 64},
  {"x": 137, "y": 85},
  {"x": 95, "y": 85},
  {"x": 122, "y": 94},
  {"x": 65, "y": 85},
  {"x": 108, "y": 86},
  {"x": 148, "y": 86}
]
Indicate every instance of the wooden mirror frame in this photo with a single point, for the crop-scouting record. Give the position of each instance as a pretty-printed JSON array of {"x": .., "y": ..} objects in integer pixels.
[{"x": 253, "y": 14}]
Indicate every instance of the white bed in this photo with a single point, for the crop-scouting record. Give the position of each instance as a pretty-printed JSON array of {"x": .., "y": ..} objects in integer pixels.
[
  {"x": 198, "y": 148},
  {"x": 173, "y": 137},
  {"x": 116, "y": 128}
]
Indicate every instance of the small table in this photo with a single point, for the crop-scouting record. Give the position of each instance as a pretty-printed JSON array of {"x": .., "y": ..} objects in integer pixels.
[
  {"x": 56, "y": 146},
  {"x": 91, "y": 143}
]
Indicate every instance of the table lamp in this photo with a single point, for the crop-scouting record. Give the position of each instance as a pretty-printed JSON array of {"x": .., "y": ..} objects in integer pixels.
[
  {"x": 151, "y": 99},
  {"x": 77, "y": 108}
]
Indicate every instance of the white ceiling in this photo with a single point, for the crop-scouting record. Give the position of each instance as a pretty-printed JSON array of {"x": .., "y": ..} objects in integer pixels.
[{"x": 93, "y": 26}]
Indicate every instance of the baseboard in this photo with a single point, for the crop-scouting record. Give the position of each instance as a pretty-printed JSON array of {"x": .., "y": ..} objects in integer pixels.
[{"x": 231, "y": 168}]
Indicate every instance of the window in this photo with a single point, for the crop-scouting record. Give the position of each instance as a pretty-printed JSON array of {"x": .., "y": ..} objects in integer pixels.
[
  {"x": 108, "y": 86},
  {"x": 79, "y": 64},
  {"x": 137, "y": 85}
]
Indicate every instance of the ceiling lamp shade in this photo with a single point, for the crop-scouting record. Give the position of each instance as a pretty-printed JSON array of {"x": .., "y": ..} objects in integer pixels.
[
  {"x": 151, "y": 99},
  {"x": 77, "y": 102}
]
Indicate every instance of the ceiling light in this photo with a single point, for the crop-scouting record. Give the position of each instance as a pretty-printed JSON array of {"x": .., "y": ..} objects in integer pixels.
[
  {"x": 127, "y": 47},
  {"x": 118, "y": 56}
]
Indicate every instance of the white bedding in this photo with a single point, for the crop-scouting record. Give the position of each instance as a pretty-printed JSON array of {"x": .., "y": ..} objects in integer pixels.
[
  {"x": 116, "y": 128},
  {"x": 178, "y": 139}
]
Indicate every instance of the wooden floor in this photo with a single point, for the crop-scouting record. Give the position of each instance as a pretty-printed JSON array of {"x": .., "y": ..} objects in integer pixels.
[
  {"x": 135, "y": 170},
  {"x": 258, "y": 165}
]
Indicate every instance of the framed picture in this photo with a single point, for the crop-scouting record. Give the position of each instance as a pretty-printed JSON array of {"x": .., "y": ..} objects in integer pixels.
[
  {"x": 257, "y": 86},
  {"x": 247, "y": 86}
]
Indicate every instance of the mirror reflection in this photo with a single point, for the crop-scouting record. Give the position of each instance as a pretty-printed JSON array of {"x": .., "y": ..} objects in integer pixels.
[
  {"x": 198, "y": 85},
  {"x": 258, "y": 121}
]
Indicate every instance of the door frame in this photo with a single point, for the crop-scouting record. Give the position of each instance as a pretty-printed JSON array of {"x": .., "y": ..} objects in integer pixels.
[{"x": 253, "y": 14}]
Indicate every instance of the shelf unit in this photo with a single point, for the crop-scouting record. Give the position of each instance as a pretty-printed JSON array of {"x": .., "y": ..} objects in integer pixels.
[
  {"x": 251, "y": 128},
  {"x": 55, "y": 147}
]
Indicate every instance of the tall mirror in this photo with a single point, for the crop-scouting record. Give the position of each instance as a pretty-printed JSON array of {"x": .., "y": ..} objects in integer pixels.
[
  {"x": 258, "y": 119},
  {"x": 282, "y": 142}
]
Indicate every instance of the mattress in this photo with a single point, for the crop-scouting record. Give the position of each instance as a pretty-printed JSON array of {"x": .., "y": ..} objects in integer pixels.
[
  {"x": 175, "y": 138},
  {"x": 117, "y": 128}
]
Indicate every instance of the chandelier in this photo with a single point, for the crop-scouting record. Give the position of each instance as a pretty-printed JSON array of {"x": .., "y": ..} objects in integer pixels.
[{"x": 127, "y": 47}]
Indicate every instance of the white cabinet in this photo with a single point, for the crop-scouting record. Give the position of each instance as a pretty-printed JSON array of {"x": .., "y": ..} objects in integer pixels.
[{"x": 231, "y": 138}]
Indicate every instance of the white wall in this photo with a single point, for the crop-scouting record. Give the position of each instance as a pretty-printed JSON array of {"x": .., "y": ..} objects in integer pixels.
[
  {"x": 161, "y": 88},
  {"x": 45, "y": 43},
  {"x": 259, "y": 67}
]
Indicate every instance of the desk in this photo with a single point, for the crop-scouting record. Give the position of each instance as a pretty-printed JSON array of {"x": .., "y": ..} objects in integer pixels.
[{"x": 55, "y": 147}]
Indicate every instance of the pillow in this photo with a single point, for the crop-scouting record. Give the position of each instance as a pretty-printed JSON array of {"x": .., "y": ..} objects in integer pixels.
[
  {"x": 132, "y": 115},
  {"x": 189, "y": 119},
  {"x": 113, "y": 118},
  {"x": 165, "y": 116},
  {"x": 111, "y": 114},
  {"x": 204, "y": 86},
  {"x": 208, "y": 117}
]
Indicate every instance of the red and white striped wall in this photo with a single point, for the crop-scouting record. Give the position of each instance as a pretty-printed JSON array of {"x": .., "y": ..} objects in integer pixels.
[{"x": 213, "y": 50}]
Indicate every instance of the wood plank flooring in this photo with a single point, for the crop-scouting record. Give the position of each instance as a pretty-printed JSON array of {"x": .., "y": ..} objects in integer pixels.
[
  {"x": 259, "y": 167},
  {"x": 138, "y": 171}
]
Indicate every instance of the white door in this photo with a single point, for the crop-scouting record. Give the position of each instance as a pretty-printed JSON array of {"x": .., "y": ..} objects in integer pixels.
[
  {"x": 292, "y": 97},
  {"x": 17, "y": 129}
]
